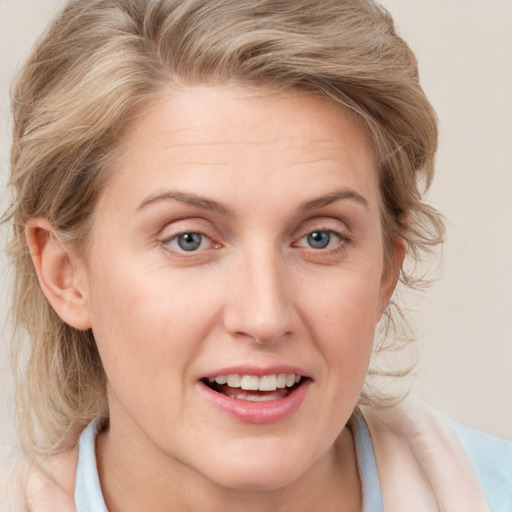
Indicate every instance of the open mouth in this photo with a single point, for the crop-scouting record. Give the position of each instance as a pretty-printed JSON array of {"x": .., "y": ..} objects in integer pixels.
[{"x": 253, "y": 388}]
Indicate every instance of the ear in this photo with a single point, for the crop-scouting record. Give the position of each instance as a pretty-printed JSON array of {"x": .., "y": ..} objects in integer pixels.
[
  {"x": 59, "y": 272},
  {"x": 392, "y": 272}
]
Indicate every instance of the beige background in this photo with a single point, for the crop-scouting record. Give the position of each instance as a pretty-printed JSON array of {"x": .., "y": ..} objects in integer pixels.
[{"x": 464, "y": 322}]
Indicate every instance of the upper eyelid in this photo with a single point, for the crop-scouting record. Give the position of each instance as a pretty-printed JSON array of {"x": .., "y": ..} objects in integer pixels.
[
  {"x": 203, "y": 226},
  {"x": 184, "y": 232},
  {"x": 325, "y": 220},
  {"x": 330, "y": 224},
  {"x": 187, "y": 232},
  {"x": 186, "y": 225},
  {"x": 326, "y": 230}
]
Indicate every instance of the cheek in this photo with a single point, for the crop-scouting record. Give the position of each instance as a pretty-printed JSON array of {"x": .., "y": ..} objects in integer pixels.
[
  {"x": 147, "y": 327},
  {"x": 345, "y": 306},
  {"x": 342, "y": 318}
]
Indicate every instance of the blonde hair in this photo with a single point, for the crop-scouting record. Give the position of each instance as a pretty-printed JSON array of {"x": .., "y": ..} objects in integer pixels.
[{"x": 101, "y": 61}]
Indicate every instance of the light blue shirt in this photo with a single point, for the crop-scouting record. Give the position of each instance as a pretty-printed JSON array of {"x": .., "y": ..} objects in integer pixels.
[
  {"x": 88, "y": 496},
  {"x": 491, "y": 459}
]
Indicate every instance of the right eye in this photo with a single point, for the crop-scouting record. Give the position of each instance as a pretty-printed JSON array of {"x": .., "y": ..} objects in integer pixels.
[
  {"x": 321, "y": 239},
  {"x": 189, "y": 241}
]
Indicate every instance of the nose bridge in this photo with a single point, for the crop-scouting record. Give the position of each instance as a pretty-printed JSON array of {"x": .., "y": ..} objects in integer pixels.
[{"x": 260, "y": 306}]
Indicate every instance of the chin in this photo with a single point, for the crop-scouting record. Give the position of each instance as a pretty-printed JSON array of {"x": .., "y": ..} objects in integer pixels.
[
  {"x": 256, "y": 479},
  {"x": 258, "y": 471}
]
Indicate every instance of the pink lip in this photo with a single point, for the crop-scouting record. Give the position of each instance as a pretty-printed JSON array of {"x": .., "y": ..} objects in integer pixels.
[{"x": 272, "y": 411}]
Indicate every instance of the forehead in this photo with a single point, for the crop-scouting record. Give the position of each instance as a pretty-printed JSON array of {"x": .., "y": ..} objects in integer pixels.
[
  {"x": 206, "y": 136},
  {"x": 190, "y": 115}
]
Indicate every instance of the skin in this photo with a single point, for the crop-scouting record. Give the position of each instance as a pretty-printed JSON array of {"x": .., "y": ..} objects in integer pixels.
[{"x": 254, "y": 293}]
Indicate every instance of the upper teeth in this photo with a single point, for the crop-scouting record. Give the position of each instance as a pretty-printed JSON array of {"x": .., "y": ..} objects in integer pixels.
[{"x": 254, "y": 383}]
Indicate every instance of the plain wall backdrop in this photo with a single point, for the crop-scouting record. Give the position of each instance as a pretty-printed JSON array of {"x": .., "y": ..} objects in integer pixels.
[{"x": 464, "y": 322}]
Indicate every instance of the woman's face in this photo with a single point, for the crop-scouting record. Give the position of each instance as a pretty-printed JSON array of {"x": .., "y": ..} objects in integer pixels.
[{"x": 237, "y": 250}]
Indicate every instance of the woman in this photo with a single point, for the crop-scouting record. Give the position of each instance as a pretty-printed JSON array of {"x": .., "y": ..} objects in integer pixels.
[{"x": 213, "y": 202}]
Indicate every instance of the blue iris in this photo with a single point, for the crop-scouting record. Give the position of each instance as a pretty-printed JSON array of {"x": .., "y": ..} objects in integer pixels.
[
  {"x": 319, "y": 239},
  {"x": 189, "y": 241}
]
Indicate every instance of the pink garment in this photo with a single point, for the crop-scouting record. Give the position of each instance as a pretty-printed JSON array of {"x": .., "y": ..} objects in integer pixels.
[{"x": 421, "y": 462}]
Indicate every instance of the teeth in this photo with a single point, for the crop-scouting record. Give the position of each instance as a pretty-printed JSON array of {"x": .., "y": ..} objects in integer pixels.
[
  {"x": 234, "y": 381},
  {"x": 253, "y": 398},
  {"x": 254, "y": 383},
  {"x": 250, "y": 383},
  {"x": 268, "y": 383},
  {"x": 281, "y": 381}
]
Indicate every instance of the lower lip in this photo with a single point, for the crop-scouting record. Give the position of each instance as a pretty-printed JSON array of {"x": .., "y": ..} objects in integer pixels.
[{"x": 272, "y": 411}]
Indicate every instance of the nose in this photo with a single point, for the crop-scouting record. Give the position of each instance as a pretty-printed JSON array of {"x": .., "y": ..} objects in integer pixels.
[{"x": 259, "y": 305}]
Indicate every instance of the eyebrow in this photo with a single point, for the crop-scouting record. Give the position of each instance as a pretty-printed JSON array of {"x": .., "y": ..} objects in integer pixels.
[
  {"x": 188, "y": 198},
  {"x": 338, "y": 195},
  {"x": 208, "y": 204}
]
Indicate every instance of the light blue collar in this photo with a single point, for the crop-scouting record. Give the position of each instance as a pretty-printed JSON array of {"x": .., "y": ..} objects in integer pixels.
[
  {"x": 88, "y": 496},
  {"x": 372, "y": 495}
]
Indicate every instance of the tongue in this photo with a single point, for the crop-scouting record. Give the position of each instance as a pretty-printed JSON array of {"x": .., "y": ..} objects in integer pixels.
[{"x": 254, "y": 396}]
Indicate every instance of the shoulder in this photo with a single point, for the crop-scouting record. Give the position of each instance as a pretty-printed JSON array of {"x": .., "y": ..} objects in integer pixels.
[
  {"x": 444, "y": 462},
  {"x": 50, "y": 483},
  {"x": 491, "y": 459}
]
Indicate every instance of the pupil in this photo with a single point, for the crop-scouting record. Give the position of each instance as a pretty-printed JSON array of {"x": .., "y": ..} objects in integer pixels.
[
  {"x": 189, "y": 241},
  {"x": 319, "y": 239}
]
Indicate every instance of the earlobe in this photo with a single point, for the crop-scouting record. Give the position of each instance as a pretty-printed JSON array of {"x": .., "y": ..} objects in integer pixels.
[{"x": 57, "y": 273}]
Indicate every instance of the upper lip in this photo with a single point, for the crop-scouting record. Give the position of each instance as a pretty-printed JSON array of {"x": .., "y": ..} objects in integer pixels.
[{"x": 258, "y": 371}]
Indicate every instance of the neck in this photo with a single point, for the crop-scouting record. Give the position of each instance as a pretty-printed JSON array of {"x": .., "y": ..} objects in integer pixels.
[{"x": 135, "y": 476}]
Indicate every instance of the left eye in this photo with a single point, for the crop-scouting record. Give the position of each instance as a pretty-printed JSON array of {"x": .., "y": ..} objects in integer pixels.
[
  {"x": 189, "y": 241},
  {"x": 321, "y": 239}
]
